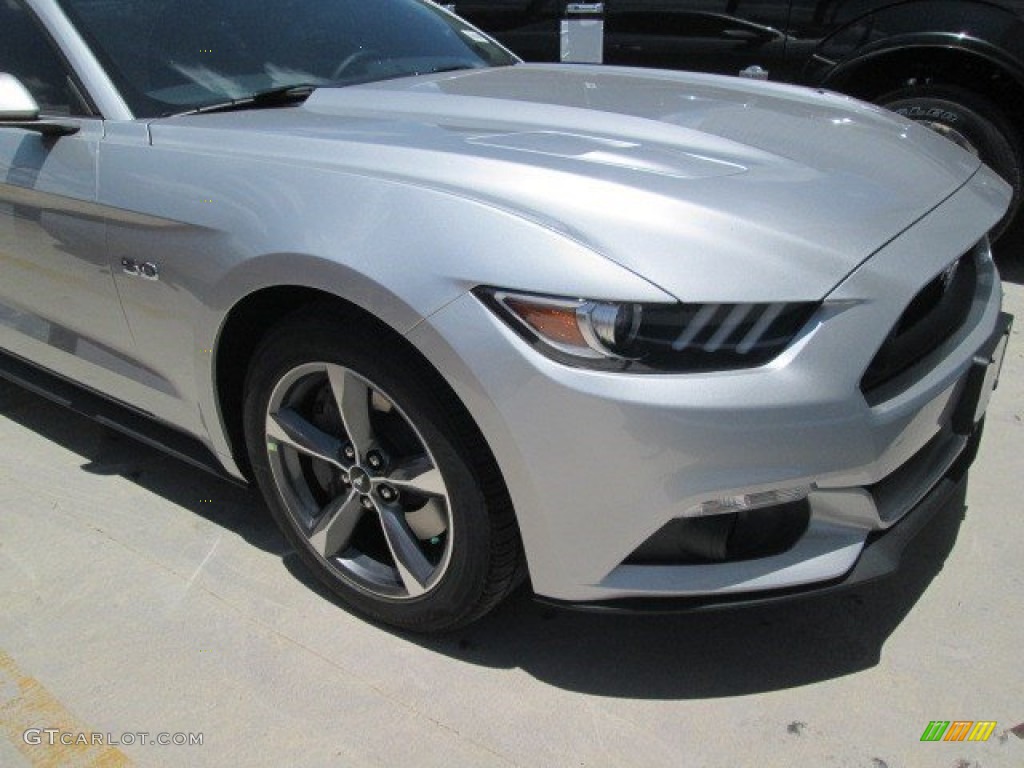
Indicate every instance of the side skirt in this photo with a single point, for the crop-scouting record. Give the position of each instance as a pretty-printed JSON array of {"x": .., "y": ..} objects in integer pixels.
[{"x": 123, "y": 418}]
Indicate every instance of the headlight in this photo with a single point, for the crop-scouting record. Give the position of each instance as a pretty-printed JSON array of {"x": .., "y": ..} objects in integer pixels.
[{"x": 651, "y": 337}]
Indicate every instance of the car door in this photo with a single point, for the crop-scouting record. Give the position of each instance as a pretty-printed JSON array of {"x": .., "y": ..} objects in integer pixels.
[
  {"x": 722, "y": 36},
  {"x": 58, "y": 303}
]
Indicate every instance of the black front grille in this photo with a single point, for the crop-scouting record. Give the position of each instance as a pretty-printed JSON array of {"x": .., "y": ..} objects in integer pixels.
[{"x": 936, "y": 313}]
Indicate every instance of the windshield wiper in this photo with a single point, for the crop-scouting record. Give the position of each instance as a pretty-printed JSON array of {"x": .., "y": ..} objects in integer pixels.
[
  {"x": 445, "y": 68},
  {"x": 271, "y": 97}
]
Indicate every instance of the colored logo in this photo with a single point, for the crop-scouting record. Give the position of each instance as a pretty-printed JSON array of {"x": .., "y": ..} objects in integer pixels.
[{"x": 958, "y": 730}]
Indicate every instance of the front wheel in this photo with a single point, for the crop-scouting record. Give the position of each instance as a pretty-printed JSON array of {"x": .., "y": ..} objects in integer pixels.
[
  {"x": 375, "y": 478},
  {"x": 973, "y": 122}
]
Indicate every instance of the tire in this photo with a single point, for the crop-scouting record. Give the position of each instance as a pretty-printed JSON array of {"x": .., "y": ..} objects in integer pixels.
[
  {"x": 975, "y": 123},
  {"x": 376, "y": 477}
]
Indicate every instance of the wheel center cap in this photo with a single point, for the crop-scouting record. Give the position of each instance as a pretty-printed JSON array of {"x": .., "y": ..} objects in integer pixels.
[{"x": 360, "y": 480}]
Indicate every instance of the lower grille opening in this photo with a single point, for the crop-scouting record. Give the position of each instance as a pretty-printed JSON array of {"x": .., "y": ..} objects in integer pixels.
[{"x": 731, "y": 537}]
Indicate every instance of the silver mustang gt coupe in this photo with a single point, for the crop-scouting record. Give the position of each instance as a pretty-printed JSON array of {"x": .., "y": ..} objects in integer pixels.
[{"x": 649, "y": 338}]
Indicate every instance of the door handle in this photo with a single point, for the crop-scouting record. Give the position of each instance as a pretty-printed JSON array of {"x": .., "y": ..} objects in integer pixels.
[{"x": 747, "y": 35}]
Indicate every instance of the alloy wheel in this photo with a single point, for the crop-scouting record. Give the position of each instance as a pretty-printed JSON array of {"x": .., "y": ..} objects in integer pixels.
[{"x": 358, "y": 481}]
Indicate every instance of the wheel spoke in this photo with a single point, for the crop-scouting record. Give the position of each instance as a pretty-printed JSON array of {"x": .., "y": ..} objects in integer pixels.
[
  {"x": 413, "y": 567},
  {"x": 418, "y": 475},
  {"x": 352, "y": 396},
  {"x": 288, "y": 427},
  {"x": 335, "y": 525}
]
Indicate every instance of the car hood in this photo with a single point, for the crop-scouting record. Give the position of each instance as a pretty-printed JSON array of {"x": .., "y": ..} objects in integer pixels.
[{"x": 712, "y": 188}]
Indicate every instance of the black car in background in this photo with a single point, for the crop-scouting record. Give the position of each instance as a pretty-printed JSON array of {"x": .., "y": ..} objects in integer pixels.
[{"x": 957, "y": 65}]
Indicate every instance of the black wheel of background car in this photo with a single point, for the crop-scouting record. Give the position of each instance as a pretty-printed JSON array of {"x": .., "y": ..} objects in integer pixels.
[
  {"x": 375, "y": 477},
  {"x": 974, "y": 123}
]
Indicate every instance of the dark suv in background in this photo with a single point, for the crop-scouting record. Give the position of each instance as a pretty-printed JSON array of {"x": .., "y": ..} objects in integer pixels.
[{"x": 957, "y": 65}]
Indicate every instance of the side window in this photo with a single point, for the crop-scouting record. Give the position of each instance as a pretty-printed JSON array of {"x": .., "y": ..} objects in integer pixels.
[{"x": 28, "y": 54}]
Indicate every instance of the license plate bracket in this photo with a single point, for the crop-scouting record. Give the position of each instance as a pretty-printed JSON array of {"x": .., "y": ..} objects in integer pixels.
[{"x": 982, "y": 378}]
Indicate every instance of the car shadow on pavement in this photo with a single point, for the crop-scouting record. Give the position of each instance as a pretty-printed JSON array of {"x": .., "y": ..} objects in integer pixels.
[
  {"x": 107, "y": 452},
  {"x": 670, "y": 656}
]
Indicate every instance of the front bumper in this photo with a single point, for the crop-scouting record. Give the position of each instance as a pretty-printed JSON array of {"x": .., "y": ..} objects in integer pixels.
[
  {"x": 881, "y": 557},
  {"x": 596, "y": 463}
]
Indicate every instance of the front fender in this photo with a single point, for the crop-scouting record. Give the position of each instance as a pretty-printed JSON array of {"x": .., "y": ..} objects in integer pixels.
[
  {"x": 989, "y": 32},
  {"x": 407, "y": 254}
]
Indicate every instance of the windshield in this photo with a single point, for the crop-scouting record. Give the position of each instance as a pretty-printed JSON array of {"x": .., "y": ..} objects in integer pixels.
[{"x": 172, "y": 56}]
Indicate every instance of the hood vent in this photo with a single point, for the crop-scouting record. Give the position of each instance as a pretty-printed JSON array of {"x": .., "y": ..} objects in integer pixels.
[{"x": 611, "y": 152}]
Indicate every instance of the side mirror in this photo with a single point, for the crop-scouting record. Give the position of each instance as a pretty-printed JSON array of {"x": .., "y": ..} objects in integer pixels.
[{"x": 19, "y": 110}]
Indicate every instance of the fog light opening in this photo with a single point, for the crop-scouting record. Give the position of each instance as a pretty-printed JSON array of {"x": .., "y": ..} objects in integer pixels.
[{"x": 748, "y": 534}]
